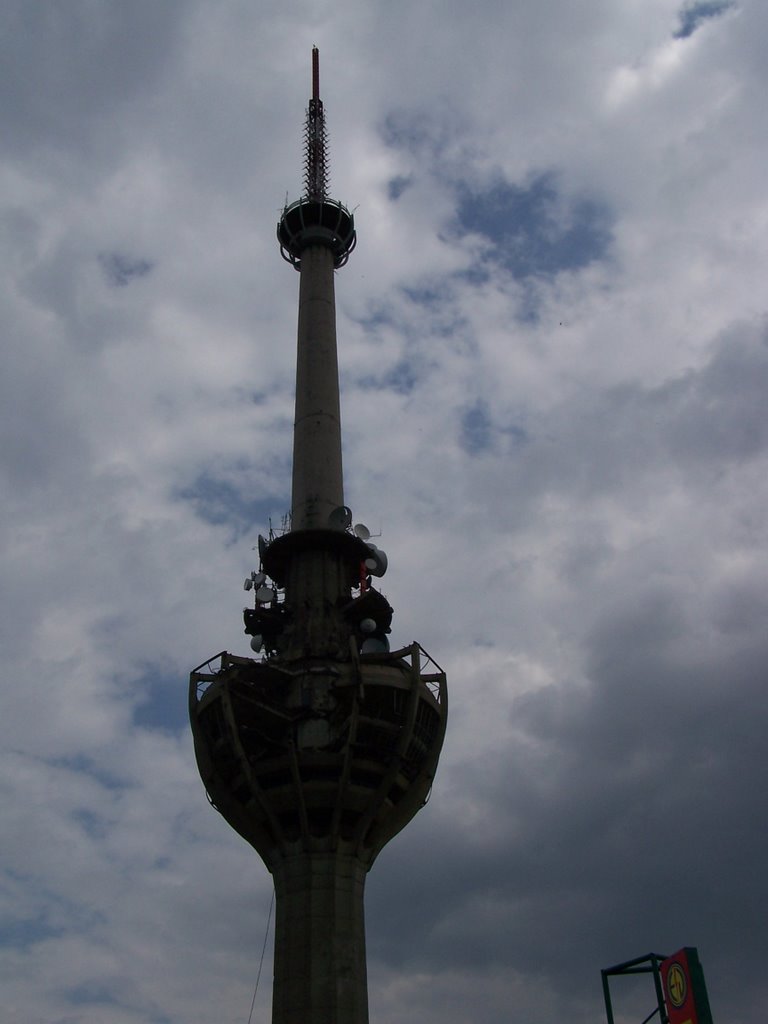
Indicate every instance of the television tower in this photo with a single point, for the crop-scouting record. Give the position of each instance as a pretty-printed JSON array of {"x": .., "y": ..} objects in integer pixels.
[{"x": 323, "y": 747}]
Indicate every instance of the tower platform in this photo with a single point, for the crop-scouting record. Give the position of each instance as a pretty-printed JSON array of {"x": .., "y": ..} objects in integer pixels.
[
  {"x": 322, "y": 756},
  {"x": 316, "y": 221}
]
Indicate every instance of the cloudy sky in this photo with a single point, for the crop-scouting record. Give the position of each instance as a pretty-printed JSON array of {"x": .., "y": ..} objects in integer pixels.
[{"x": 554, "y": 359}]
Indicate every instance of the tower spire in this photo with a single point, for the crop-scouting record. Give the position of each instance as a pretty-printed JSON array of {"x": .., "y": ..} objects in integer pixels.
[
  {"x": 322, "y": 750},
  {"x": 315, "y": 219},
  {"x": 316, "y": 172}
]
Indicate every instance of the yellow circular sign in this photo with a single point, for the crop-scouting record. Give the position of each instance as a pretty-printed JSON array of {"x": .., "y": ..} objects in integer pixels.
[{"x": 677, "y": 985}]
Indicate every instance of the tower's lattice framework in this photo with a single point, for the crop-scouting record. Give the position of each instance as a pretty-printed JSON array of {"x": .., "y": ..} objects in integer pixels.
[{"x": 325, "y": 747}]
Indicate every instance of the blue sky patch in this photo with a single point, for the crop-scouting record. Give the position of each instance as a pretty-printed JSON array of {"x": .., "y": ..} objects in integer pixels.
[
  {"x": 517, "y": 434},
  {"x": 109, "y": 993},
  {"x": 401, "y": 378},
  {"x": 85, "y": 764},
  {"x": 533, "y": 230},
  {"x": 478, "y": 431},
  {"x": 162, "y": 702},
  {"x": 99, "y": 992},
  {"x": 412, "y": 130},
  {"x": 120, "y": 270},
  {"x": 27, "y": 933},
  {"x": 475, "y": 436},
  {"x": 692, "y": 15},
  {"x": 396, "y": 186},
  {"x": 220, "y": 503},
  {"x": 376, "y": 316},
  {"x": 91, "y": 823},
  {"x": 425, "y": 295}
]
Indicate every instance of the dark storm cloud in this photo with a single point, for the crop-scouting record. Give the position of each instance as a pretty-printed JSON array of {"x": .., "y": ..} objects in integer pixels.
[
  {"x": 608, "y": 813},
  {"x": 619, "y": 792},
  {"x": 712, "y": 416},
  {"x": 720, "y": 412},
  {"x": 68, "y": 70},
  {"x": 629, "y": 437}
]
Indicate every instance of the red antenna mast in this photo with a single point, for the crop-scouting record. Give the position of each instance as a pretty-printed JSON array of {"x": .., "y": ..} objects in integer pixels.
[
  {"x": 315, "y": 73},
  {"x": 316, "y": 171}
]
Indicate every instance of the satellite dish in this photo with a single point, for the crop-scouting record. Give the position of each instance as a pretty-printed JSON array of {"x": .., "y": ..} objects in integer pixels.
[
  {"x": 362, "y": 531},
  {"x": 257, "y": 642},
  {"x": 376, "y": 563},
  {"x": 367, "y": 625},
  {"x": 265, "y": 594},
  {"x": 340, "y": 518},
  {"x": 254, "y": 580},
  {"x": 375, "y": 645}
]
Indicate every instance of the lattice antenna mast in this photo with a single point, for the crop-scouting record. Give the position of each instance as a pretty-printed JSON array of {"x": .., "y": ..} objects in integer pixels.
[
  {"x": 315, "y": 219},
  {"x": 316, "y": 138}
]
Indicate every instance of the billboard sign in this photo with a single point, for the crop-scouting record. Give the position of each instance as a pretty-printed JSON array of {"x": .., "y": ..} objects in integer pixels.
[{"x": 684, "y": 990}]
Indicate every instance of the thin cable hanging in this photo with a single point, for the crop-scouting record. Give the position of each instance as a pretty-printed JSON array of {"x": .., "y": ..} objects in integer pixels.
[{"x": 261, "y": 961}]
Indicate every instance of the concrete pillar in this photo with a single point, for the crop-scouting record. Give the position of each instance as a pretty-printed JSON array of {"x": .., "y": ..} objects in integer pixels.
[
  {"x": 320, "y": 972},
  {"x": 317, "y": 474}
]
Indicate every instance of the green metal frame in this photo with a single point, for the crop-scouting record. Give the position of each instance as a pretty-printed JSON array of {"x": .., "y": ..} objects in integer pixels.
[{"x": 648, "y": 964}]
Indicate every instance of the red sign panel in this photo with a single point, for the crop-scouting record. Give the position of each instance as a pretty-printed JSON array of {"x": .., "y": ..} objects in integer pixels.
[{"x": 684, "y": 990}]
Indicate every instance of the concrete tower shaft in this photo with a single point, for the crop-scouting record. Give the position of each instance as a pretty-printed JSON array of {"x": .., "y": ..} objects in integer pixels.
[
  {"x": 324, "y": 748},
  {"x": 318, "y": 487}
]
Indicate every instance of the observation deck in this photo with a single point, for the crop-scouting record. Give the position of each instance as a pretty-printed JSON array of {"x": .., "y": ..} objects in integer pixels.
[
  {"x": 324, "y": 757},
  {"x": 316, "y": 221}
]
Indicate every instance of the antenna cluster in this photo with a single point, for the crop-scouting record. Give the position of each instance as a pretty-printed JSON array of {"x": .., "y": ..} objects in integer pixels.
[{"x": 368, "y": 612}]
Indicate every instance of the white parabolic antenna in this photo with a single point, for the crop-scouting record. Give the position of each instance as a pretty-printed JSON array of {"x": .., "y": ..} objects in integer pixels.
[
  {"x": 362, "y": 531},
  {"x": 376, "y": 563},
  {"x": 265, "y": 594},
  {"x": 340, "y": 518},
  {"x": 375, "y": 645}
]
